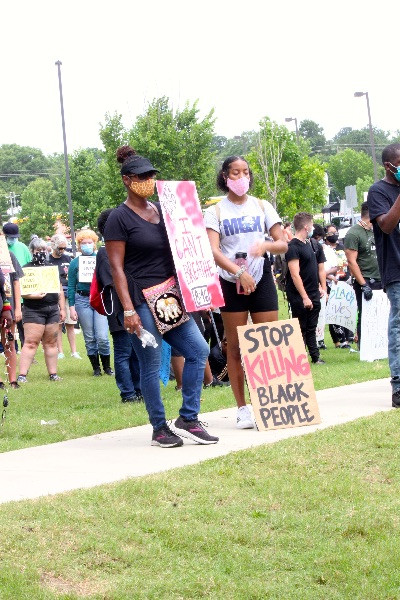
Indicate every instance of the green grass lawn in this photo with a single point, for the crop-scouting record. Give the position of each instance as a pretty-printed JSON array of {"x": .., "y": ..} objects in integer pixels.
[
  {"x": 314, "y": 517},
  {"x": 85, "y": 405}
]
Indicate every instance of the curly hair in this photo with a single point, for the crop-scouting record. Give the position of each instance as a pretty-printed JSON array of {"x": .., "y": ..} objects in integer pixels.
[
  {"x": 224, "y": 172},
  {"x": 86, "y": 233}
]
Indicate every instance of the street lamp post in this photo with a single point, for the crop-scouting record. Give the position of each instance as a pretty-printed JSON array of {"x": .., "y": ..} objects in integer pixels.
[
  {"x": 71, "y": 214},
  {"x": 288, "y": 119},
  {"x": 371, "y": 132}
]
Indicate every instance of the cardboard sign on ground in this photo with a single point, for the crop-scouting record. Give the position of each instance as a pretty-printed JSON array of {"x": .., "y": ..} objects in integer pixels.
[
  {"x": 278, "y": 375},
  {"x": 40, "y": 280}
]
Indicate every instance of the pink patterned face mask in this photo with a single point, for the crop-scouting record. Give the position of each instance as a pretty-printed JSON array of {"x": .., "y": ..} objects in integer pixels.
[{"x": 238, "y": 186}]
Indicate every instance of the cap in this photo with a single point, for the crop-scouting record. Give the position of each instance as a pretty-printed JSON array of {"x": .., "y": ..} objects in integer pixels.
[
  {"x": 136, "y": 165},
  {"x": 11, "y": 229}
]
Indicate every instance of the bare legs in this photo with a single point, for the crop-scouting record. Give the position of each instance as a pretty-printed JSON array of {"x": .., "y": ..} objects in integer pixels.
[
  {"x": 35, "y": 333},
  {"x": 232, "y": 320}
]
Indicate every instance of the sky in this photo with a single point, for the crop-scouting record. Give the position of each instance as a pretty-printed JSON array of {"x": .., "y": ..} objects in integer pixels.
[{"x": 245, "y": 59}]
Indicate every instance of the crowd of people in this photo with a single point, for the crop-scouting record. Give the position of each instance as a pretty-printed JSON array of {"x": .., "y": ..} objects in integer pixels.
[{"x": 135, "y": 269}]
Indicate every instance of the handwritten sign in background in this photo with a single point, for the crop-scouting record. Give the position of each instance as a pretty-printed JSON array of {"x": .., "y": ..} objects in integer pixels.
[
  {"x": 342, "y": 306},
  {"x": 278, "y": 375},
  {"x": 87, "y": 265},
  {"x": 374, "y": 327},
  {"x": 191, "y": 250},
  {"x": 5, "y": 258},
  {"x": 320, "y": 331},
  {"x": 40, "y": 280}
]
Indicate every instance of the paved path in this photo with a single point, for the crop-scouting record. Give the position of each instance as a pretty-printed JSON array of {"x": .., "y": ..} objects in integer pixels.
[{"x": 117, "y": 455}]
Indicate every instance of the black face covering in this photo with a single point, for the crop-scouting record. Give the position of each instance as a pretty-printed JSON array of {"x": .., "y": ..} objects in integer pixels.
[
  {"x": 332, "y": 238},
  {"x": 39, "y": 258}
]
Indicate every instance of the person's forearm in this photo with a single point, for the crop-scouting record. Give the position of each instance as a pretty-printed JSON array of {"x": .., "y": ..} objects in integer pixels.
[
  {"x": 276, "y": 247},
  {"x": 298, "y": 282},
  {"x": 390, "y": 220},
  {"x": 121, "y": 286},
  {"x": 224, "y": 262},
  {"x": 356, "y": 272},
  {"x": 17, "y": 293}
]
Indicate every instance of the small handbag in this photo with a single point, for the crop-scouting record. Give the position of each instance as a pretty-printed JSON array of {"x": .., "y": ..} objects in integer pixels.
[
  {"x": 166, "y": 305},
  {"x": 96, "y": 298}
]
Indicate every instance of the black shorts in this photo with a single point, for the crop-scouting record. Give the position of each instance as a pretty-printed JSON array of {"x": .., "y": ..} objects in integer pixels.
[
  {"x": 44, "y": 315},
  {"x": 263, "y": 299}
]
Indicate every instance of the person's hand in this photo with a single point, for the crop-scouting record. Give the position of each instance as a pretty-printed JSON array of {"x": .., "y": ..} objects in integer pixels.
[
  {"x": 18, "y": 314},
  {"x": 62, "y": 315},
  {"x": 259, "y": 248},
  {"x": 73, "y": 314},
  {"x": 307, "y": 303},
  {"x": 7, "y": 317},
  {"x": 133, "y": 324},
  {"x": 247, "y": 282},
  {"x": 366, "y": 290}
]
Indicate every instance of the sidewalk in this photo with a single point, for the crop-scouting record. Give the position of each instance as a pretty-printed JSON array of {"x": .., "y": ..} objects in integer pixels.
[{"x": 117, "y": 455}]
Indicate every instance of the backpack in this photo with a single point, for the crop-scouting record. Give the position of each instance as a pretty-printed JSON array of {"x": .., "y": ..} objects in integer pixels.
[{"x": 96, "y": 299}]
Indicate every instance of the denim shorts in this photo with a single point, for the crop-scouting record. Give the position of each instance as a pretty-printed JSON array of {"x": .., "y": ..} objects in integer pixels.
[{"x": 45, "y": 315}]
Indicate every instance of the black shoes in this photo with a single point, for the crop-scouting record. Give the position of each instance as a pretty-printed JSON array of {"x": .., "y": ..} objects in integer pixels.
[
  {"x": 396, "y": 399},
  {"x": 165, "y": 438},
  {"x": 319, "y": 362},
  {"x": 194, "y": 430}
]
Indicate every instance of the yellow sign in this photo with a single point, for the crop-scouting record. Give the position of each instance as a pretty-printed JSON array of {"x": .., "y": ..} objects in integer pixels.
[
  {"x": 39, "y": 280},
  {"x": 278, "y": 375}
]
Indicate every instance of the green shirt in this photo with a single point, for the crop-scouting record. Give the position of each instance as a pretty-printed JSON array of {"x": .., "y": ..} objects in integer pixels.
[
  {"x": 21, "y": 252},
  {"x": 362, "y": 240}
]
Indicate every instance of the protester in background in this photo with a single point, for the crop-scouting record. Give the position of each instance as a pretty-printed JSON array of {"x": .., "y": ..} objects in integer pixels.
[
  {"x": 384, "y": 211},
  {"x": 58, "y": 258},
  {"x": 94, "y": 326},
  {"x": 318, "y": 233},
  {"x": 238, "y": 224},
  {"x": 140, "y": 257},
  {"x": 126, "y": 363},
  {"x": 288, "y": 231},
  {"x": 12, "y": 290},
  {"x": 41, "y": 314},
  {"x": 306, "y": 282},
  {"x": 360, "y": 250},
  {"x": 336, "y": 270},
  {"x": 23, "y": 256}
]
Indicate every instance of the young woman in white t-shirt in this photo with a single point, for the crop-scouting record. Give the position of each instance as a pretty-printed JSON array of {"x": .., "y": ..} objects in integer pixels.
[{"x": 239, "y": 223}]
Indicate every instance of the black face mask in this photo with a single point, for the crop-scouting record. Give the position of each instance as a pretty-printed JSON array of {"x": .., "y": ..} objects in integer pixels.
[
  {"x": 39, "y": 258},
  {"x": 332, "y": 239}
]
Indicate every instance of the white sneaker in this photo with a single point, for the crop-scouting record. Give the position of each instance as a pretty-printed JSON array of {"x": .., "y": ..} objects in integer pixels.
[
  {"x": 244, "y": 420},
  {"x": 76, "y": 355},
  {"x": 61, "y": 355}
]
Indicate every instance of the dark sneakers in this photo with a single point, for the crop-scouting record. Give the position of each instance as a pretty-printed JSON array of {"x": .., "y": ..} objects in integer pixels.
[
  {"x": 165, "y": 438},
  {"x": 194, "y": 430},
  {"x": 396, "y": 399}
]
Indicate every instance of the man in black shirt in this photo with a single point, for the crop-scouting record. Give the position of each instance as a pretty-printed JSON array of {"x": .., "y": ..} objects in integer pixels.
[
  {"x": 306, "y": 281},
  {"x": 384, "y": 211}
]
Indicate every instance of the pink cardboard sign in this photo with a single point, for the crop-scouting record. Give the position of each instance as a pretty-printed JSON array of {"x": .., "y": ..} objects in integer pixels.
[{"x": 194, "y": 262}]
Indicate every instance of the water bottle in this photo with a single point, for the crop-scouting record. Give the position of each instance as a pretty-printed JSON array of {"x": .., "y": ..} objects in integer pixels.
[
  {"x": 240, "y": 260},
  {"x": 147, "y": 338}
]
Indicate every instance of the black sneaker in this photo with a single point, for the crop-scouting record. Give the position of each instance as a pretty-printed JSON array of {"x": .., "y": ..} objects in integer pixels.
[
  {"x": 319, "y": 362},
  {"x": 55, "y": 377},
  {"x": 194, "y": 430},
  {"x": 396, "y": 399},
  {"x": 165, "y": 438}
]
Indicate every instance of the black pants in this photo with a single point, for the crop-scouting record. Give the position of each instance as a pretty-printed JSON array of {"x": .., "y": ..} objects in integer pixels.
[
  {"x": 308, "y": 320},
  {"x": 374, "y": 284}
]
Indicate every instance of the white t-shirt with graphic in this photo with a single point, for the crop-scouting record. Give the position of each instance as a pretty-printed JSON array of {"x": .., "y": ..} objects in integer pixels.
[{"x": 239, "y": 227}]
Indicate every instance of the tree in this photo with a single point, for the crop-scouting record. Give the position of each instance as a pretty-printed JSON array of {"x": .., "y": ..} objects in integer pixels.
[
  {"x": 363, "y": 184},
  {"x": 89, "y": 190},
  {"x": 284, "y": 173},
  {"x": 359, "y": 139},
  {"x": 314, "y": 134},
  {"x": 39, "y": 207},
  {"x": 179, "y": 144},
  {"x": 346, "y": 167}
]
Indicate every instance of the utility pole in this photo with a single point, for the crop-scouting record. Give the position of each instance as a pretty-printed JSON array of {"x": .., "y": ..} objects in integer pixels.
[
  {"x": 12, "y": 197},
  {"x": 71, "y": 214}
]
